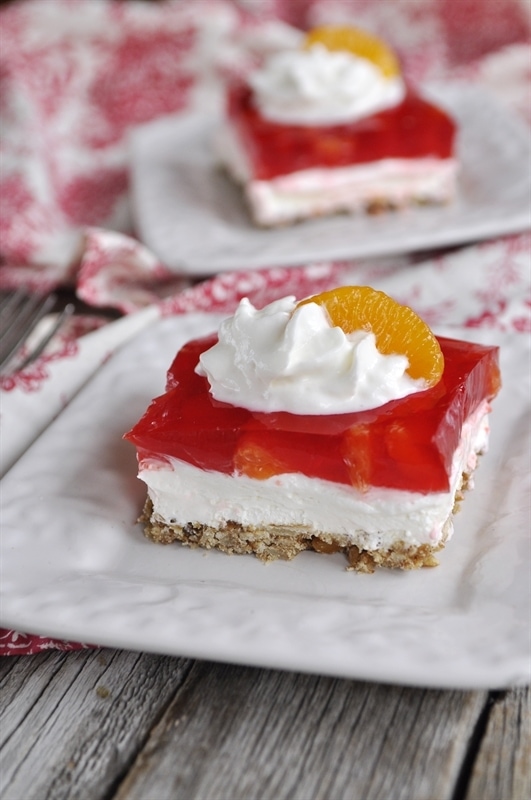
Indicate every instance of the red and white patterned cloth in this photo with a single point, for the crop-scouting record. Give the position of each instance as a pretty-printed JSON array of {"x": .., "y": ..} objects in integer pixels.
[{"x": 79, "y": 75}]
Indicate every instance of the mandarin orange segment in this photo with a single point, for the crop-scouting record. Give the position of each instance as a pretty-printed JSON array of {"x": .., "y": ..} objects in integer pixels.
[
  {"x": 255, "y": 461},
  {"x": 397, "y": 329},
  {"x": 357, "y": 455},
  {"x": 357, "y": 41}
]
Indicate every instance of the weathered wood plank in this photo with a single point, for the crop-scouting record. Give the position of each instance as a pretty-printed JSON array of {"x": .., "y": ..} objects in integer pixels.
[
  {"x": 252, "y": 734},
  {"x": 73, "y": 722},
  {"x": 22, "y": 682},
  {"x": 502, "y": 769}
]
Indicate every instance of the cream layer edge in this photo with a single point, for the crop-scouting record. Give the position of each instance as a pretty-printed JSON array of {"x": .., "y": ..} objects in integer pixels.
[
  {"x": 375, "y": 519},
  {"x": 389, "y": 183}
]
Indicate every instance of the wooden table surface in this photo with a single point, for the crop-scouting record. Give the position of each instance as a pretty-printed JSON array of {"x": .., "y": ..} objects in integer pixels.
[{"x": 128, "y": 726}]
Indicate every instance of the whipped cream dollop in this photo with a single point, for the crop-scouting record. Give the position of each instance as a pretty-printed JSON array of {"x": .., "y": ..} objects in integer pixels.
[
  {"x": 289, "y": 357},
  {"x": 321, "y": 86}
]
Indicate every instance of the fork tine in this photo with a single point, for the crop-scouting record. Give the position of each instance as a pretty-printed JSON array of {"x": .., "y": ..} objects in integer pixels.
[
  {"x": 9, "y": 302},
  {"x": 11, "y": 307},
  {"x": 67, "y": 312},
  {"x": 19, "y": 309},
  {"x": 23, "y": 313}
]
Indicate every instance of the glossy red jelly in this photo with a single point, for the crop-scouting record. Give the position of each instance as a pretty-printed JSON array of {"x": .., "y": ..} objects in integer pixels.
[
  {"x": 406, "y": 444},
  {"x": 413, "y": 129}
]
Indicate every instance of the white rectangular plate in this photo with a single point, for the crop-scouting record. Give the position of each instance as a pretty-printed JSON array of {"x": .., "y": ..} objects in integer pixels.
[
  {"x": 195, "y": 220},
  {"x": 75, "y": 565}
]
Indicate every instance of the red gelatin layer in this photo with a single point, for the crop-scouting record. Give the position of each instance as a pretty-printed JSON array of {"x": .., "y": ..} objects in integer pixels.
[
  {"x": 414, "y": 129},
  {"x": 406, "y": 444}
]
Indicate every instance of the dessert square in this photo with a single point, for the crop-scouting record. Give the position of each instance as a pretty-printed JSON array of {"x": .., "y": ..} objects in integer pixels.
[
  {"x": 295, "y": 429},
  {"x": 332, "y": 127}
]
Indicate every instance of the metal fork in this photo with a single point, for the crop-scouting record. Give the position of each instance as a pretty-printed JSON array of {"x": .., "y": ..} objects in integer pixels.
[{"x": 20, "y": 313}]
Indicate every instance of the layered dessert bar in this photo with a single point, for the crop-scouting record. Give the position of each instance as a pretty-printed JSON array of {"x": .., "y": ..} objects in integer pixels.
[
  {"x": 333, "y": 127},
  {"x": 337, "y": 423}
]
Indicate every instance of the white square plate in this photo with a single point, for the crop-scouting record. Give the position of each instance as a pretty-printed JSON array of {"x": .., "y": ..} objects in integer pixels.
[
  {"x": 76, "y": 566},
  {"x": 189, "y": 213}
]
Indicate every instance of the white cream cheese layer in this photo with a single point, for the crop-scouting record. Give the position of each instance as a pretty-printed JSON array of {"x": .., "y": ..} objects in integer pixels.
[
  {"x": 315, "y": 192},
  {"x": 290, "y": 357},
  {"x": 378, "y": 518}
]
